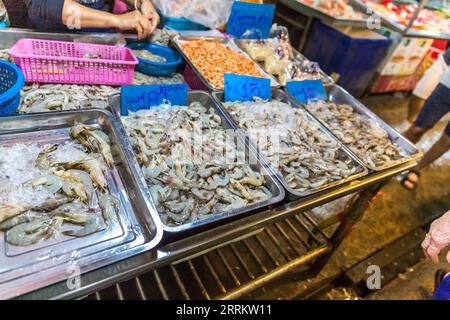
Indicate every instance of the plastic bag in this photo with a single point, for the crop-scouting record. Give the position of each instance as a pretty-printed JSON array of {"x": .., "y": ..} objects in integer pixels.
[
  {"x": 258, "y": 50},
  {"x": 297, "y": 70},
  {"x": 276, "y": 61},
  {"x": 116, "y": 39},
  {"x": 170, "y": 8},
  {"x": 210, "y": 13},
  {"x": 281, "y": 35},
  {"x": 4, "y": 19},
  {"x": 162, "y": 36}
]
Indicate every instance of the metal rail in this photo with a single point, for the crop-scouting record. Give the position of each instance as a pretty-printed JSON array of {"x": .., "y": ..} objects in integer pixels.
[{"x": 232, "y": 270}]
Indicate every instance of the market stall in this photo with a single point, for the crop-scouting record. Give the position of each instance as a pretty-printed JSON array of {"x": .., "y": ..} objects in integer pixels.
[
  {"x": 422, "y": 34},
  {"x": 152, "y": 212},
  {"x": 418, "y": 34}
]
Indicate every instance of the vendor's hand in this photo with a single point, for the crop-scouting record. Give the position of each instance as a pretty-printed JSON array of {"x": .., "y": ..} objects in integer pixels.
[
  {"x": 134, "y": 20},
  {"x": 437, "y": 238},
  {"x": 149, "y": 12}
]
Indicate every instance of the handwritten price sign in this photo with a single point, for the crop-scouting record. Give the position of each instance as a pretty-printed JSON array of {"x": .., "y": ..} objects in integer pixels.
[
  {"x": 250, "y": 20},
  {"x": 245, "y": 88},
  {"x": 134, "y": 98},
  {"x": 307, "y": 90}
]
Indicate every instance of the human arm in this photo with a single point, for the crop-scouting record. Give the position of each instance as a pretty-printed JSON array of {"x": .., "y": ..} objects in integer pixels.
[
  {"x": 46, "y": 14},
  {"x": 147, "y": 9},
  {"x": 75, "y": 15},
  {"x": 437, "y": 238}
]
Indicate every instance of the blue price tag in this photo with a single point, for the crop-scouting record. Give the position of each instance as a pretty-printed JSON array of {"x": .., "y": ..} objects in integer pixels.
[
  {"x": 250, "y": 20},
  {"x": 134, "y": 98},
  {"x": 245, "y": 88},
  {"x": 307, "y": 90}
]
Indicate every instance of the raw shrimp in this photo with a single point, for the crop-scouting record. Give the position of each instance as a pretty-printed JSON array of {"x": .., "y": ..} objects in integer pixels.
[
  {"x": 29, "y": 233},
  {"x": 214, "y": 59}
]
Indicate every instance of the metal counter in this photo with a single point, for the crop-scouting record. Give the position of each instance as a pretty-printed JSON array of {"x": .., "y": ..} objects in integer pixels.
[{"x": 186, "y": 248}]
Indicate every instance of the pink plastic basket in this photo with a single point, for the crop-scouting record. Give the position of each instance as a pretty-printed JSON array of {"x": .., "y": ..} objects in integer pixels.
[{"x": 71, "y": 62}]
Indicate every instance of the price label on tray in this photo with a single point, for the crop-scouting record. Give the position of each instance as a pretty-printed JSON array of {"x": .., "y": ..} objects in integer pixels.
[
  {"x": 245, "y": 88},
  {"x": 250, "y": 20},
  {"x": 134, "y": 98},
  {"x": 307, "y": 90}
]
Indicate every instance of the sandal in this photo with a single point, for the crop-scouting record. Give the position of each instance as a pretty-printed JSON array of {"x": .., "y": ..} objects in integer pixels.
[
  {"x": 438, "y": 277},
  {"x": 407, "y": 179}
]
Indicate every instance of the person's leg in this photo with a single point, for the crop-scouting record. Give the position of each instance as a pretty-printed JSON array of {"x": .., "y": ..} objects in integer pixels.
[
  {"x": 425, "y": 87},
  {"x": 435, "y": 107},
  {"x": 426, "y": 120},
  {"x": 415, "y": 105},
  {"x": 414, "y": 133},
  {"x": 437, "y": 150}
]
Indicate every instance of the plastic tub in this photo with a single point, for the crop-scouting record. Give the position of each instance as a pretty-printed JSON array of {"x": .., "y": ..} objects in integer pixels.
[
  {"x": 47, "y": 61},
  {"x": 11, "y": 82},
  {"x": 352, "y": 54},
  {"x": 181, "y": 24},
  {"x": 157, "y": 68}
]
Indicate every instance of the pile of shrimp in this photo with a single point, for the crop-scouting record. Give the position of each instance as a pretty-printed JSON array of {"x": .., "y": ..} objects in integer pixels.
[
  {"x": 214, "y": 59},
  {"x": 47, "y": 190}
]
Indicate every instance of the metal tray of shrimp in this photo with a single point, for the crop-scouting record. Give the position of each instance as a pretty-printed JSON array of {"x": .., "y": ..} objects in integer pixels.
[
  {"x": 134, "y": 228},
  {"x": 225, "y": 41},
  {"x": 251, "y": 157},
  {"x": 344, "y": 154},
  {"x": 410, "y": 152},
  {"x": 326, "y": 79}
]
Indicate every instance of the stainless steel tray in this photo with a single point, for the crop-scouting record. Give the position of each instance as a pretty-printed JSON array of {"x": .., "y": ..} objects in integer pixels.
[
  {"x": 253, "y": 157},
  {"x": 326, "y": 79},
  {"x": 362, "y": 21},
  {"x": 313, "y": 12},
  {"x": 225, "y": 41},
  {"x": 137, "y": 229},
  {"x": 345, "y": 153},
  {"x": 338, "y": 95}
]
